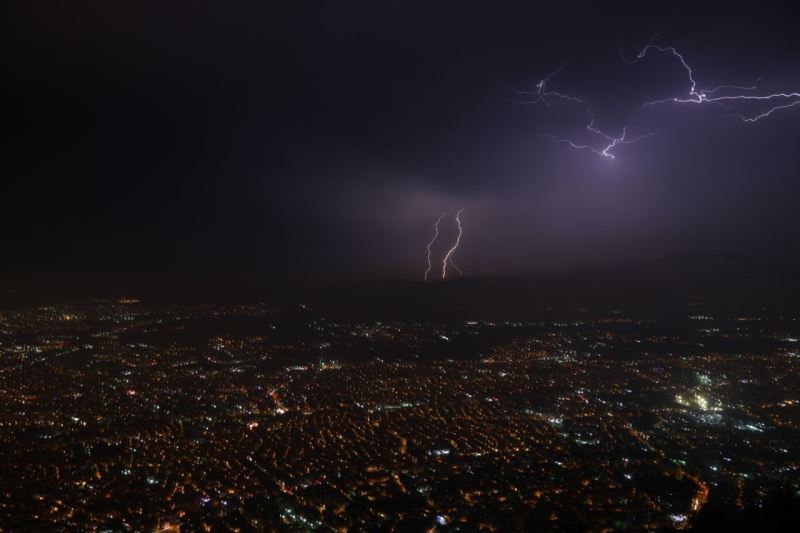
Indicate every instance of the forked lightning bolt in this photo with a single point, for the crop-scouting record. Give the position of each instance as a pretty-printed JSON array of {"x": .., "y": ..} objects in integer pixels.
[
  {"x": 607, "y": 141},
  {"x": 453, "y": 264},
  {"x": 448, "y": 258},
  {"x": 724, "y": 95},
  {"x": 433, "y": 240},
  {"x": 781, "y": 100}
]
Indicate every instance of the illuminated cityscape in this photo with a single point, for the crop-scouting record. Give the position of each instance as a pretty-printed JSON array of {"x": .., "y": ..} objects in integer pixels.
[{"x": 117, "y": 415}]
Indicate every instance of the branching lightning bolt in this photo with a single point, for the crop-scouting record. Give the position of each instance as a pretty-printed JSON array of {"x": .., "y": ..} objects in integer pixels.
[
  {"x": 430, "y": 243},
  {"x": 703, "y": 96},
  {"x": 452, "y": 264},
  {"x": 547, "y": 97},
  {"x": 725, "y": 96},
  {"x": 448, "y": 258}
]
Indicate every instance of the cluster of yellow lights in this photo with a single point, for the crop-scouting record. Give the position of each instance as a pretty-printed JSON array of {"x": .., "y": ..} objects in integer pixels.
[{"x": 699, "y": 401}]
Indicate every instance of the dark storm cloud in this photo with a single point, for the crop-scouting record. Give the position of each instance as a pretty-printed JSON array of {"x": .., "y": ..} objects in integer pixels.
[{"x": 323, "y": 139}]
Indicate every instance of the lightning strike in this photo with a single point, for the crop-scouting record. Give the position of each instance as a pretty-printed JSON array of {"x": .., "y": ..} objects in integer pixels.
[
  {"x": 725, "y": 96},
  {"x": 550, "y": 98},
  {"x": 603, "y": 151},
  {"x": 707, "y": 96},
  {"x": 433, "y": 240},
  {"x": 449, "y": 256},
  {"x": 452, "y": 264}
]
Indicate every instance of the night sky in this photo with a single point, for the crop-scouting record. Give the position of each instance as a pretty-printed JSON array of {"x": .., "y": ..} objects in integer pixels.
[{"x": 320, "y": 140}]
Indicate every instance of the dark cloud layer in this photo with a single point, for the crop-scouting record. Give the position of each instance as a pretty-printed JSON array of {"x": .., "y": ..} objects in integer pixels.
[{"x": 322, "y": 139}]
